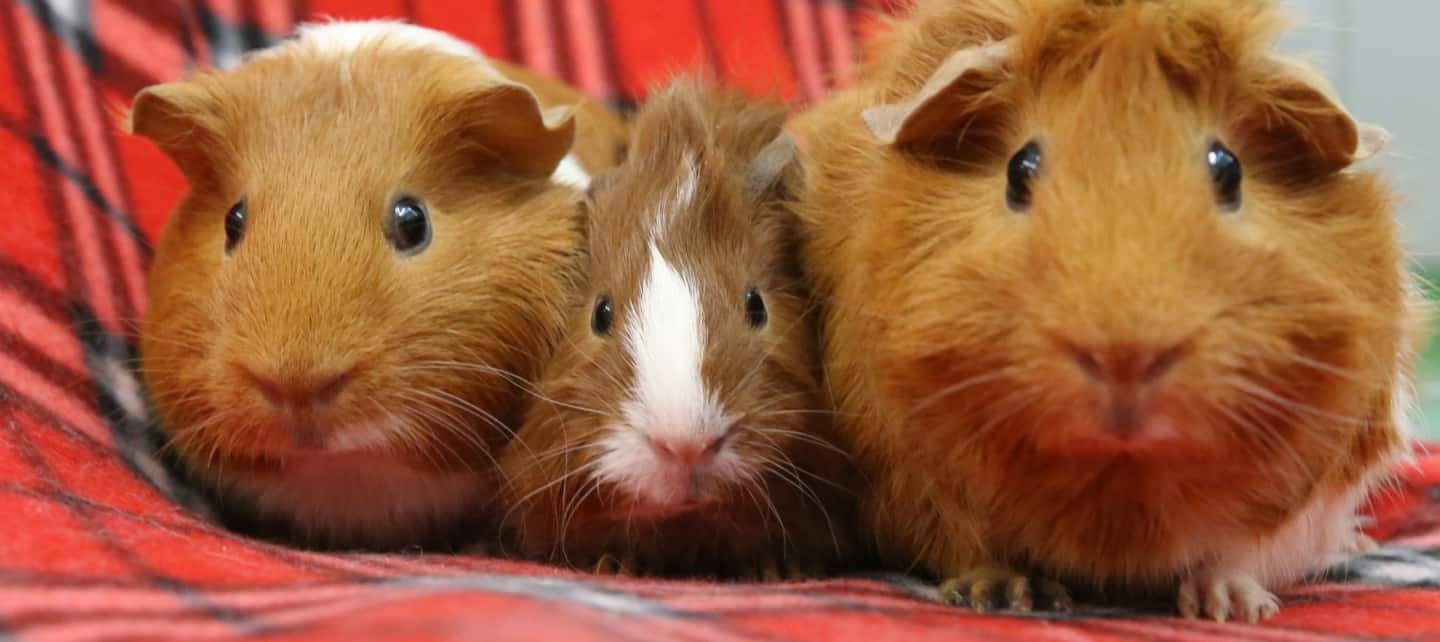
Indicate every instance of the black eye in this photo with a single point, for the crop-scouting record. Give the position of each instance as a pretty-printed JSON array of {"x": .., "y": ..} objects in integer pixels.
[
  {"x": 1023, "y": 170},
  {"x": 409, "y": 226},
  {"x": 755, "y": 308},
  {"x": 603, "y": 316},
  {"x": 1225, "y": 175},
  {"x": 234, "y": 226}
]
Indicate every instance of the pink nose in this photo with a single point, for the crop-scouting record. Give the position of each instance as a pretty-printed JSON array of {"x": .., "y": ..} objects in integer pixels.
[
  {"x": 302, "y": 393},
  {"x": 1126, "y": 364},
  {"x": 1125, "y": 374},
  {"x": 691, "y": 452}
]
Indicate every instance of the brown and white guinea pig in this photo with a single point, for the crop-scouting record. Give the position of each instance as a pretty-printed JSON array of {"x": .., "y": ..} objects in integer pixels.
[
  {"x": 681, "y": 427},
  {"x": 372, "y": 260},
  {"x": 1106, "y": 302}
]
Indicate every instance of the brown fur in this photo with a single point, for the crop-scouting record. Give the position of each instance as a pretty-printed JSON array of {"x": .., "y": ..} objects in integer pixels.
[
  {"x": 600, "y": 134},
  {"x": 944, "y": 307},
  {"x": 441, "y": 340},
  {"x": 734, "y": 236}
]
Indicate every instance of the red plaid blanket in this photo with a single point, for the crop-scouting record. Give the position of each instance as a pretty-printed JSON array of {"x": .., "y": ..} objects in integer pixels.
[{"x": 95, "y": 542}]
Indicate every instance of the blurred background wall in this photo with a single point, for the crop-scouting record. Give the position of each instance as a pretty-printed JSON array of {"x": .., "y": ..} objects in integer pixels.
[{"x": 1384, "y": 58}]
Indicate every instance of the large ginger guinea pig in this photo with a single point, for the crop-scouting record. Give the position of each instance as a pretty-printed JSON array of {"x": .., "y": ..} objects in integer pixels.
[
  {"x": 1106, "y": 302},
  {"x": 370, "y": 264}
]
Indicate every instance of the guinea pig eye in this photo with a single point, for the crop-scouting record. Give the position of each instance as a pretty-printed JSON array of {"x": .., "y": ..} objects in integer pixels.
[
  {"x": 234, "y": 226},
  {"x": 409, "y": 226},
  {"x": 603, "y": 316},
  {"x": 1225, "y": 175},
  {"x": 755, "y": 308},
  {"x": 1024, "y": 168}
]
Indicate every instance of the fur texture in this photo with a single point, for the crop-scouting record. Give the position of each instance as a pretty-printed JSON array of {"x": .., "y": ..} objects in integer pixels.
[
  {"x": 678, "y": 235},
  {"x": 958, "y": 333},
  {"x": 432, "y": 350}
]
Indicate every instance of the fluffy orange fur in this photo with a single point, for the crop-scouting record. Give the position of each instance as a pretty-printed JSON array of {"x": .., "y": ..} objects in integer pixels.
[
  {"x": 439, "y": 345},
  {"x": 949, "y": 315}
]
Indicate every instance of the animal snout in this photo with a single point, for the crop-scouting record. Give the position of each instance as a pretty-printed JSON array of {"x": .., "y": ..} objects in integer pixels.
[
  {"x": 1125, "y": 378},
  {"x": 1132, "y": 364},
  {"x": 298, "y": 393},
  {"x": 688, "y": 451}
]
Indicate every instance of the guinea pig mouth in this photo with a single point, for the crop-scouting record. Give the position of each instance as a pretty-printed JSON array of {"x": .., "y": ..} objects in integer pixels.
[
  {"x": 1104, "y": 422},
  {"x": 678, "y": 497},
  {"x": 654, "y": 511},
  {"x": 1153, "y": 434}
]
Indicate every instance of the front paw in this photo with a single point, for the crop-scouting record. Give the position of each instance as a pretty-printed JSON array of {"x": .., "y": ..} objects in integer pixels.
[
  {"x": 1362, "y": 544},
  {"x": 1218, "y": 595},
  {"x": 989, "y": 588},
  {"x": 623, "y": 564},
  {"x": 778, "y": 568}
]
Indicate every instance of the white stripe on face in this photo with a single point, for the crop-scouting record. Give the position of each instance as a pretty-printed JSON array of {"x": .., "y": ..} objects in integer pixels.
[
  {"x": 666, "y": 342},
  {"x": 669, "y": 403}
]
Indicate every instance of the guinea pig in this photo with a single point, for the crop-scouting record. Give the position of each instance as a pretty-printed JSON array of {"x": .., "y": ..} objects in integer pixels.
[
  {"x": 373, "y": 259},
  {"x": 1107, "y": 307},
  {"x": 681, "y": 428}
]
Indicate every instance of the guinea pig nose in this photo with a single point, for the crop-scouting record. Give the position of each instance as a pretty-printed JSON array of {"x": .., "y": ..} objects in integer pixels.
[
  {"x": 298, "y": 392},
  {"x": 1126, "y": 363},
  {"x": 687, "y": 451}
]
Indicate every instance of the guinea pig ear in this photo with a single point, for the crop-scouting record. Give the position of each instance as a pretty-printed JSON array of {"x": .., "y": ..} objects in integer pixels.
[
  {"x": 1299, "y": 117},
  {"x": 956, "y": 94},
  {"x": 182, "y": 119},
  {"x": 507, "y": 124},
  {"x": 776, "y": 172}
]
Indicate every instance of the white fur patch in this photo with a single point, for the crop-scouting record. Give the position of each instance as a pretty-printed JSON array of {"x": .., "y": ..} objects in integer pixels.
[
  {"x": 689, "y": 182},
  {"x": 670, "y": 402},
  {"x": 569, "y": 172},
  {"x": 1311, "y": 540},
  {"x": 1403, "y": 406},
  {"x": 666, "y": 340},
  {"x": 373, "y": 436},
  {"x": 345, "y": 37},
  {"x": 680, "y": 199}
]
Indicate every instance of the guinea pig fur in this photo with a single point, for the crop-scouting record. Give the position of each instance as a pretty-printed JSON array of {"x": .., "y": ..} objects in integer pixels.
[
  {"x": 1105, "y": 302},
  {"x": 371, "y": 262},
  {"x": 600, "y": 134},
  {"x": 681, "y": 428}
]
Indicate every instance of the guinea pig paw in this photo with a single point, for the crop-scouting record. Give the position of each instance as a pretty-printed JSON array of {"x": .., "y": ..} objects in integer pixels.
[
  {"x": 990, "y": 588},
  {"x": 771, "y": 570},
  {"x": 1220, "y": 595},
  {"x": 1363, "y": 544},
  {"x": 613, "y": 565}
]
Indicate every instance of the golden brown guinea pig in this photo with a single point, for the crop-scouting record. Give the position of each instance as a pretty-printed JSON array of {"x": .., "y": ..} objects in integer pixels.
[
  {"x": 681, "y": 428},
  {"x": 372, "y": 260},
  {"x": 1106, "y": 302}
]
